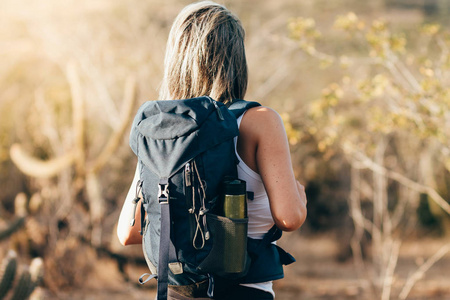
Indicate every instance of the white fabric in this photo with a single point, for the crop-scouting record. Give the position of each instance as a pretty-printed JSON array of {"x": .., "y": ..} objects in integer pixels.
[{"x": 258, "y": 209}]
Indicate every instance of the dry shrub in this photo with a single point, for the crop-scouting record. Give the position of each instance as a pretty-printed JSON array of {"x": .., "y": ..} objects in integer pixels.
[{"x": 68, "y": 265}]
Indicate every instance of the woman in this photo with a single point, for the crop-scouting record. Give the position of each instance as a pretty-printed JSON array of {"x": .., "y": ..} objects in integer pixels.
[{"x": 205, "y": 56}]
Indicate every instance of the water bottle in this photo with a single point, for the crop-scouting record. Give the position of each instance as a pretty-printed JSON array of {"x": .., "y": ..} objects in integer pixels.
[
  {"x": 235, "y": 236},
  {"x": 235, "y": 199}
]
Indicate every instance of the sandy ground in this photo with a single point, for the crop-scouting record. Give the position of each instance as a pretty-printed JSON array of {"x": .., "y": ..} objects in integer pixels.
[{"x": 317, "y": 274}]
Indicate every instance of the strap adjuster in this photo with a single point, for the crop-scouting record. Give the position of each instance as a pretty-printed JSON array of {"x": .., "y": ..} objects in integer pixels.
[{"x": 163, "y": 193}]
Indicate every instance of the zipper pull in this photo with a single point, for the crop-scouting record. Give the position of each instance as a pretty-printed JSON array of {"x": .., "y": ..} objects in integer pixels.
[
  {"x": 135, "y": 202},
  {"x": 189, "y": 183},
  {"x": 219, "y": 112},
  {"x": 133, "y": 218},
  {"x": 188, "y": 174}
]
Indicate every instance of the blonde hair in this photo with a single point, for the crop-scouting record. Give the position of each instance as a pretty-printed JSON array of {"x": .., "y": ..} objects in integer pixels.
[{"x": 205, "y": 55}]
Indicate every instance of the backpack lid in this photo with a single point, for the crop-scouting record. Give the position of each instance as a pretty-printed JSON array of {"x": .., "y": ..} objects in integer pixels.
[{"x": 166, "y": 134}]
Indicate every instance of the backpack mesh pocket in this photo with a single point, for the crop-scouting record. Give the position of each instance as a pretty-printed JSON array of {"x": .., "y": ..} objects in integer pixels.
[{"x": 228, "y": 256}]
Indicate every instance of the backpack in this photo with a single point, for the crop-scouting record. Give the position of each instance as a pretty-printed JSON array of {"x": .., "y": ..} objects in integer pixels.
[{"x": 185, "y": 151}]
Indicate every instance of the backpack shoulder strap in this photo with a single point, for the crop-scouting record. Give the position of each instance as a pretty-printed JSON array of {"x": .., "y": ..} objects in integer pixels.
[{"x": 238, "y": 106}]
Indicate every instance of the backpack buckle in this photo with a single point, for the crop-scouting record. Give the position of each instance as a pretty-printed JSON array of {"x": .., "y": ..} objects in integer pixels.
[{"x": 163, "y": 193}]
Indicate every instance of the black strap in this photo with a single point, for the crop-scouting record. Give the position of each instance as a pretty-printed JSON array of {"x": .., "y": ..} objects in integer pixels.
[
  {"x": 167, "y": 251},
  {"x": 272, "y": 235},
  {"x": 238, "y": 106},
  {"x": 256, "y": 246},
  {"x": 285, "y": 257},
  {"x": 164, "y": 243}
]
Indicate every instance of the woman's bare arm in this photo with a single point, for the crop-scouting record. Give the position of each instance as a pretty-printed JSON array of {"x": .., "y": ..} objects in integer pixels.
[
  {"x": 262, "y": 132},
  {"x": 127, "y": 234}
]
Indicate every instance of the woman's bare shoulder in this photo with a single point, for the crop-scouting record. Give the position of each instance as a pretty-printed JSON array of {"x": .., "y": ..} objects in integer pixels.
[
  {"x": 262, "y": 112},
  {"x": 262, "y": 120},
  {"x": 272, "y": 159}
]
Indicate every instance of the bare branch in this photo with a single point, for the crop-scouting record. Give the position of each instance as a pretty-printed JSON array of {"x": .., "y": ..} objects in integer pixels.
[
  {"x": 422, "y": 269},
  {"x": 114, "y": 141},
  {"x": 39, "y": 168},
  {"x": 389, "y": 275},
  {"x": 78, "y": 116},
  {"x": 399, "y": 178}
]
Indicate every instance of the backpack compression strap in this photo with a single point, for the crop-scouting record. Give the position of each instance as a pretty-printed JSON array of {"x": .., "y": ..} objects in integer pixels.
[
  {"x": 167, "y": 252},
  {"x": 272, "y": 235}
]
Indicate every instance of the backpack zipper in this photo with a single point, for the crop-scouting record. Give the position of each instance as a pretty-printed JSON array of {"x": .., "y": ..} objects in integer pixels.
[
  {"x": 189, "y": 186},
  {"x": 219, "y": 112},
  {"x": 188, "y": 174}
]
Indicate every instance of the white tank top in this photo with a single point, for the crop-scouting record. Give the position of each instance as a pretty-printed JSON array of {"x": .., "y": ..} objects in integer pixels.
[{"x": 258, "y": 209}]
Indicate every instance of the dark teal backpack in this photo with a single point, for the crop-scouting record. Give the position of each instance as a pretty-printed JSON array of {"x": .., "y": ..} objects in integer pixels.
[{"x": 185, "y": 150}]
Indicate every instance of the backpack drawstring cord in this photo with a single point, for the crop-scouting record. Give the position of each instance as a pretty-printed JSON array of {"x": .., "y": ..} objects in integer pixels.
[{"x": 202, "y": 211}]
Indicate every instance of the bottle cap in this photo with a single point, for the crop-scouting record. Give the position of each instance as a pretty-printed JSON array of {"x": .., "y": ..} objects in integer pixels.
[{"x": 235, "y": 187}]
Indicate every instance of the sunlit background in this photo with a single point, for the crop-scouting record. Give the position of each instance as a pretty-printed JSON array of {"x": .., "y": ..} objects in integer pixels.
[{"x": 363, "y": 88}]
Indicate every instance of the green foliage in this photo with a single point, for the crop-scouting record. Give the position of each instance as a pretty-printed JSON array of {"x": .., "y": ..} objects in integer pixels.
[
  {"x": 12, "y": 227},
  {"x": 28, "y": 280},
  {"x": 388, "y": 113},
  {"x": 7, "y": 273},
  {"x": 424, "y": 214},
  {"x": 23, "y": 286},
  {"x": 386, "y": 87}
]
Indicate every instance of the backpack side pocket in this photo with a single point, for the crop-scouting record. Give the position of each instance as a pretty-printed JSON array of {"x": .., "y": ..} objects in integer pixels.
[
  {"x": 146, "y": 247},
  {"x": 228, "y": 257}
]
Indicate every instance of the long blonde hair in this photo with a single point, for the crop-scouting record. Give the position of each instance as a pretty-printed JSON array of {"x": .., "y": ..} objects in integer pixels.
[{"x": 205, "y": 55}]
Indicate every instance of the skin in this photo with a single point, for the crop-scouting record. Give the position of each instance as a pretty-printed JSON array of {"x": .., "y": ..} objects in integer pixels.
[
  {"x": 129, "y": 235},
  {"x": 264, "y": 147}
]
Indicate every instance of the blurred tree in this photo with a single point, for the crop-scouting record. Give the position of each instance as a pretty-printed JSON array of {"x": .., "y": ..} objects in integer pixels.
[
  {"x": 389, "y": 115},
  {"x": 86, "y": 168}
]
